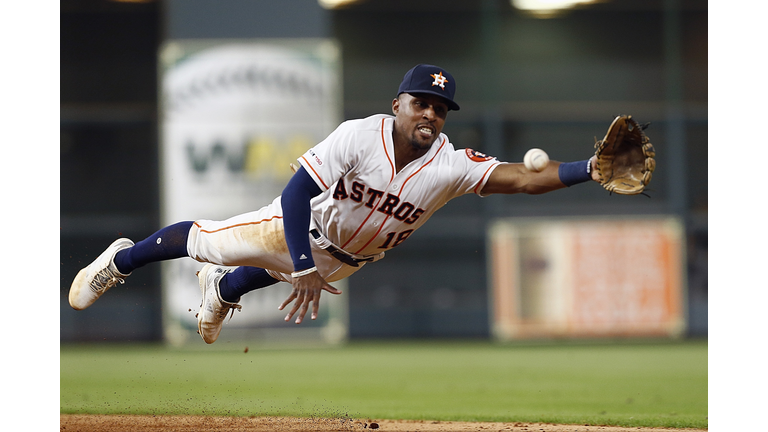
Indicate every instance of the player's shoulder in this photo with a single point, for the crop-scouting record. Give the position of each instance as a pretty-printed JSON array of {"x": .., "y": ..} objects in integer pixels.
[
  {"x": 360, "y": 133},
  {"x": 370, "y": 123},
  {"x": 465, "y": 155}
]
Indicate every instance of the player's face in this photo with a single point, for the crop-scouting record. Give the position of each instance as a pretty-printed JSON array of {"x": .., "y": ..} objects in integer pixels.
[{"x": 419, "y": 118}]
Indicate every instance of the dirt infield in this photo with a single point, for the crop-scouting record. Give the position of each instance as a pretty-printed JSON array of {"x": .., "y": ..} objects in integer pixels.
[{"x": 135, "y": 423}]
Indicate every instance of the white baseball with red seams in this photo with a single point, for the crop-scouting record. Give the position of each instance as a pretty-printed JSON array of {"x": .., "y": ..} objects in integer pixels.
[
  {"x": 381, "y": 207},
  {"x": 536, "y": 159}
]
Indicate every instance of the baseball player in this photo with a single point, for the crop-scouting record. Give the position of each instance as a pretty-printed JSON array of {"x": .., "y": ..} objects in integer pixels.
[{"x": 357, "y": 194}]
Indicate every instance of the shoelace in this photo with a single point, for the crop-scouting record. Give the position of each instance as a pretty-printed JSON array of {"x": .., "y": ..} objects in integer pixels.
[
  {"x": 104, "y": 280},
  {"x": 222, "y": 313}
]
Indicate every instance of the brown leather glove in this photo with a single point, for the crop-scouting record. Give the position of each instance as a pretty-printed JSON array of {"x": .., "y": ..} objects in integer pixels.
[{"x": 625, "y": 157}]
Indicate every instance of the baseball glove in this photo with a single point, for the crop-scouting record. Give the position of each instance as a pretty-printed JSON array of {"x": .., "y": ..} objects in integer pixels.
[{"x": 625, "y": 157}]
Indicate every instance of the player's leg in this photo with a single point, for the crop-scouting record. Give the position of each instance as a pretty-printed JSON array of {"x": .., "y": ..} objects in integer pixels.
[
  {"x": 166, "y": 244},
  {"x": 253, "y": 242},
  {"x": 119, "y": 260},
  {"x": 243, "y": 280},
  {"x": 249, "y": 240},
  {"x": 222, "y": 287}
]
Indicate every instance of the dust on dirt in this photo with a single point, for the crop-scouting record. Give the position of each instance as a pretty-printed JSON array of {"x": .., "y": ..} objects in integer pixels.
[{"x": 163, "y": 423}]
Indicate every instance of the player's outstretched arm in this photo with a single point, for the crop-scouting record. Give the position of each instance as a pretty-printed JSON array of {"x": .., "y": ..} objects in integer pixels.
[{"x": 512, "y": 178}]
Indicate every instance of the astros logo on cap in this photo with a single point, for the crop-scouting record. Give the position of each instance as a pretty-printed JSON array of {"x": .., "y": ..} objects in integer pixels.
[
  {"x": 440, "y": 80},
  {"x": 423, "y": 78}
]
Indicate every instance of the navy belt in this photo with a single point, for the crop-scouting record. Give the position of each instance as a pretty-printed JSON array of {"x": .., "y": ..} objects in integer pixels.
[{"x": 338, "y": 254}]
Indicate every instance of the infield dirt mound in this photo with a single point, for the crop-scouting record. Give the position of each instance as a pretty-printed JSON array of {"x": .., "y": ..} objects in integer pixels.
[{"x": 151, "y": 423}]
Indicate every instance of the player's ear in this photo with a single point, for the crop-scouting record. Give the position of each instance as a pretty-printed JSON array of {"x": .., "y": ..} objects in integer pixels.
[{"x": 395, "y": 105}]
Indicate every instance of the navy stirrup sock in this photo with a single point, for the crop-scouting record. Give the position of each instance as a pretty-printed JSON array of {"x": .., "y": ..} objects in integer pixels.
[
  {"x": 168, "y": 243},
  {"x": 244, "y": 279}
]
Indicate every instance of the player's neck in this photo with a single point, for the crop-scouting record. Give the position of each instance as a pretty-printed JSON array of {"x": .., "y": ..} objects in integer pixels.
[{"x": 405, "y": 152}]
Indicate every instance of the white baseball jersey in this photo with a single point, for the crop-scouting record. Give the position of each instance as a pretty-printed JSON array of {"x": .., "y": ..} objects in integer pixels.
[{"x": 366, "y": 207}]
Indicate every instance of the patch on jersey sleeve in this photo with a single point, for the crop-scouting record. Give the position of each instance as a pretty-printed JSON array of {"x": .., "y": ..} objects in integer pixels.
[
  {"x": 477, "y": 156},
  {"x": 317, "y": 158}
]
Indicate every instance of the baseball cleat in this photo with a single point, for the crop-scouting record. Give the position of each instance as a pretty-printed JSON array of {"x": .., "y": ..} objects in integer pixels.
[
  {"x": 101, "y": 275},
  {"x": 213, "y": 309}
]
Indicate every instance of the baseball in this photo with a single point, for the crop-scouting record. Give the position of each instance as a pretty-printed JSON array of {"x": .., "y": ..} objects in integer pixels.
[{"x": 536, "y": 159}]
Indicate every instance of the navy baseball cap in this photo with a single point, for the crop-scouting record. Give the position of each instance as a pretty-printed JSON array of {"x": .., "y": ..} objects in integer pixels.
[{"x": 424, "y": 78}]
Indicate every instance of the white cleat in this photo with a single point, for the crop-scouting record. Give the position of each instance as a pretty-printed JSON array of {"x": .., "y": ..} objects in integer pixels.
[
  {"x": 213, "y": 309},
  {"x": 100, "y": 275}
]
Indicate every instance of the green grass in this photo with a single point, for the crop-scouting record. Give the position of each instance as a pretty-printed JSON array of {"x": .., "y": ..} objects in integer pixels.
[{"x": 640, "y": 384}]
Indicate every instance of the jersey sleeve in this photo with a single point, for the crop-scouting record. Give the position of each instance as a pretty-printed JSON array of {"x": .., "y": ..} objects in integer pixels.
[
  {"x": 473, "y": 169},
  {"x": 329, "y": 160}
]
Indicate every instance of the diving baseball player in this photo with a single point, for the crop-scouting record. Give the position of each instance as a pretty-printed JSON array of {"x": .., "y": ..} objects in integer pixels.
[{"x": 357, "y": 194}]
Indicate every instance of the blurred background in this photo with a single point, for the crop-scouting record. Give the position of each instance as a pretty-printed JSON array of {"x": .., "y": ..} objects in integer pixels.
[{"x": 526, "y": 77}]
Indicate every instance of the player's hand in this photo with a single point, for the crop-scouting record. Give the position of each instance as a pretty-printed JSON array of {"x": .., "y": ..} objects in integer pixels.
[{"x": 306, "y": 290}]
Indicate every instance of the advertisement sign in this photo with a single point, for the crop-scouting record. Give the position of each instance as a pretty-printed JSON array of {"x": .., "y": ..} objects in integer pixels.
[
  {"x": 578, "y": 278},
  {"x": 234, "y": 115}
]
